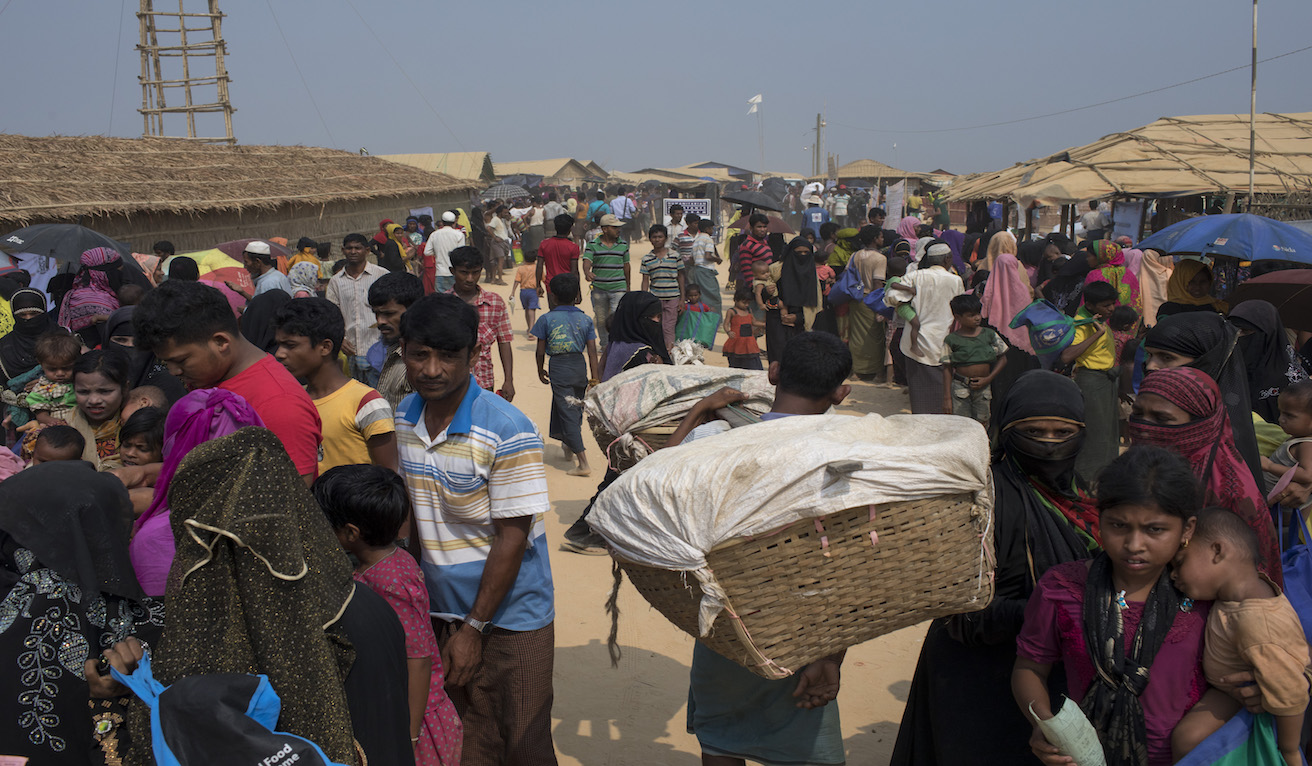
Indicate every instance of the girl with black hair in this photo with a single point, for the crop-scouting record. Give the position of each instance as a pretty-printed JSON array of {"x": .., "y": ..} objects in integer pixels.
[{"x": 1134, "y": 665}]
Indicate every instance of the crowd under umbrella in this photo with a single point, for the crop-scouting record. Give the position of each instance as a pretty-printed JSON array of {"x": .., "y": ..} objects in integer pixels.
[
  {"x": 753, "y": 199},
  {"x": 1244, "y": 236},
  {"x": 777, "y": 225},
  {"x": 65, "y": 243},
  {"x": 504, "y": 192}
]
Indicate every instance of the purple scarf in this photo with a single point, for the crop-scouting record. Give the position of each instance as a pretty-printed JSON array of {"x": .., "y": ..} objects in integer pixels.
[{"x": 195, "y": 419}]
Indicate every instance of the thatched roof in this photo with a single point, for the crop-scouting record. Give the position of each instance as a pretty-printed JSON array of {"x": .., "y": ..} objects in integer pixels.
[
  {"x": 871, "y": 169},
  {"x": 64, "y": 177},
  {"x": 559, "y": 170},
  {"x": 471, "y": 166}
]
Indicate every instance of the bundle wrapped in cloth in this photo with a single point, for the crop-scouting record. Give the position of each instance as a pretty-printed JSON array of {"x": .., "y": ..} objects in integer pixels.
[
  {"x": 780, "y": 543},
  {"x": 633, "y": 413}
]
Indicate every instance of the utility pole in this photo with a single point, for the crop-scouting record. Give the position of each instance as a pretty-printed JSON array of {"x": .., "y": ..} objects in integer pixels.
[
  {"x": 1252, "y": 119},
  {"x": 815, "y": 148}
]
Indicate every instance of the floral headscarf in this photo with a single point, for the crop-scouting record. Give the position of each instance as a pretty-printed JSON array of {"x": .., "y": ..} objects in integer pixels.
[
  {"x": 93, "y": 295},
  {"x": 304, "y": 276},
  {"x": 1112, "y": 270}
]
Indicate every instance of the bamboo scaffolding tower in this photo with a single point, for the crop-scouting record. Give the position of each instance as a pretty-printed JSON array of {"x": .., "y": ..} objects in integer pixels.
[{"x": 183, "y": 63}]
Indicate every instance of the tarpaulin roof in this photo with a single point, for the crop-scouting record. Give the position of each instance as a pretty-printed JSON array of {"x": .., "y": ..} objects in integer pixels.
[
  {"x": 871, "y": 169},
  {"x": 1171, "y": 157},
  {"x": 472, "y": 166}
]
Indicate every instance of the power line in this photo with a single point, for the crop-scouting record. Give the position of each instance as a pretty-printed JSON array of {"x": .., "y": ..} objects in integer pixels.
[
  {"x": 113, "y": 88},
  {"x": 1075, "y": 109},
  {"x": 288, "y": 47},
  {"x": 388, "y": 50},
  {"x": 6, "y": 7}
]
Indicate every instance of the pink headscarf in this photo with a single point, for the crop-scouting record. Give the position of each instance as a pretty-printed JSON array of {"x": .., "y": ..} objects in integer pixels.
[
  {"x": 1006, "y": 292},
  {"x": 93, "y": 295},
  {"x": 195, "y": 419},
  {"x": 906, "y": 228}
]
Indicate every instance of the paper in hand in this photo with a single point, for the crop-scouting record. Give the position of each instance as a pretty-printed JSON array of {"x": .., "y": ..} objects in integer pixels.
[{"x": 1070, "y": 731}]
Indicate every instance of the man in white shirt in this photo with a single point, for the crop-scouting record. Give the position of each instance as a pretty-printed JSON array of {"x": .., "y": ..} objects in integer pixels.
[
  {"x": 623, "y": 208},
  {"x": 437, "y": 254},
  {"x": 934, "y": 287},
  {"x": 553, "y": 207},
  {"x": 1094, "y": 222},
  {"x": 348, "y": 290},
  {"x": 674, "y": 221}
]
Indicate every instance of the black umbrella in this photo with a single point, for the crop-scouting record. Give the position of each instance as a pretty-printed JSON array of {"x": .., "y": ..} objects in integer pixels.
[
  {"x": 754, "y": 199},
  {"x": 66, "y": 242},
  {"x": 504, "y": 192}
]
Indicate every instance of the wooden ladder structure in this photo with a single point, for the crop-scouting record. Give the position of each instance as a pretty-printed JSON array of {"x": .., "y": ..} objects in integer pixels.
[{"x": 184, "y": 64}]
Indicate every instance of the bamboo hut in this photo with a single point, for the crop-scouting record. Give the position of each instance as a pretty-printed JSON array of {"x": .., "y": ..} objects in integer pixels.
[{"x": 195, "y": 195}]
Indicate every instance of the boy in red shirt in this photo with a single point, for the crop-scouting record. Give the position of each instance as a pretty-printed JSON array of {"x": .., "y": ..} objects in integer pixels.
[
  {"x": 190, "y": 328},
  {"x": 557, "y": 255}
]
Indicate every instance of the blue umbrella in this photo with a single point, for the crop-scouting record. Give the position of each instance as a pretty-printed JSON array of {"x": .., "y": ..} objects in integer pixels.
[{"x": 1238, "y": 235}]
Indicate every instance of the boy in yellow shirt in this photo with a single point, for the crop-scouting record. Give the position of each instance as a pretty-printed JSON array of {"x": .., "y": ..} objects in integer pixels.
[{"x": 357, "y": 421}]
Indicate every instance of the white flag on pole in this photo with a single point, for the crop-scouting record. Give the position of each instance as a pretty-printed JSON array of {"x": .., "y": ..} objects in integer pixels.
[
  {"x": 752, "y": 110},
  {"x": 755, "y": 99}
]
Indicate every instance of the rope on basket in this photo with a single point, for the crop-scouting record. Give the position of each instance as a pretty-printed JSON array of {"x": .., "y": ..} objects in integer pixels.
[
  {"x": 985, "y": 557},
  {"x": 626, "y": 440},
  {"x": 613, "y": 609}
]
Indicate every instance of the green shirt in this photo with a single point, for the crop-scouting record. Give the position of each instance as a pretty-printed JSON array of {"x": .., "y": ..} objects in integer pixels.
[{"x": 608, "y": 263}]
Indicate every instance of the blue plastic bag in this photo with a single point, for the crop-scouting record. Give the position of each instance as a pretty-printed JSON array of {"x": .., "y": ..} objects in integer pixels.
[
  {"x": 1051, "y": 331},
  {"x": 847, "y": 288}
]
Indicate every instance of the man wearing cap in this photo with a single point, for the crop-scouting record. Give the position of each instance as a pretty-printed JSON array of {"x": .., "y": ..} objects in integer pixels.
[
  {"x": 606, "y": 266},
  {"x": 437, "y": 255},
  {"x": 258, "y": 259},
  {"x": 934, "y": 287}
]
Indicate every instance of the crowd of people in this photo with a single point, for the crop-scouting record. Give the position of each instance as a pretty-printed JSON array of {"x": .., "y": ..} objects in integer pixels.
[{"x": 352, "y": 424}]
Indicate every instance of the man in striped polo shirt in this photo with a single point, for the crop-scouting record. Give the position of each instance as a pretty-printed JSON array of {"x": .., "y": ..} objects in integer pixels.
[
  {"x": 606, "y": 266},
  {"x": 473, "y": 466}
]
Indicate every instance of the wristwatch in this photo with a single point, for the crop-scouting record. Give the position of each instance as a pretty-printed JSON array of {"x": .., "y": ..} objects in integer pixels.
[{"x": 482, "y": 626}]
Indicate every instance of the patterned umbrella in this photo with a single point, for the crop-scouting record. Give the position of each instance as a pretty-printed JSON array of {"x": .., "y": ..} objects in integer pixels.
[{"x": 504, "y": 192}]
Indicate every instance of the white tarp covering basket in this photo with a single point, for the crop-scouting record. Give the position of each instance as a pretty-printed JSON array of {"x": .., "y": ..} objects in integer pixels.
[
  {"x": 634, "y": 413},
  {"x": 780, "y": 543}
]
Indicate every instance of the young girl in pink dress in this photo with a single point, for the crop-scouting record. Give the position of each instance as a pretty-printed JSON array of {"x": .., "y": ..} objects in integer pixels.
[
  {"x": 1130, "y": 642},
  {"x": 367, "y": 504}
]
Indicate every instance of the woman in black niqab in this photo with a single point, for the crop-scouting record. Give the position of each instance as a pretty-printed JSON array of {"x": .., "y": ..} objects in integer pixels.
[{"x": 17, "y": 349}]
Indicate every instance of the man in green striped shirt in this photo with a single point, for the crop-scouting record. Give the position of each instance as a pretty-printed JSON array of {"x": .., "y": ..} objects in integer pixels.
[{"x": 606, "y": 266}]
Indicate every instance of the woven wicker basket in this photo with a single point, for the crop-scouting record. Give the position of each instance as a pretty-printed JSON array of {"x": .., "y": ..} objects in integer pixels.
[
  {"x": 655, "y": 437},
  {"x": 809, "y": 590}
]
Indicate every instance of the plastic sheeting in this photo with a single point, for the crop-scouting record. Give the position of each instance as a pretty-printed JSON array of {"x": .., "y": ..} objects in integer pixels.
[
  {"x": 681, "y": 502},
  {"x": 655, "y": 394}
]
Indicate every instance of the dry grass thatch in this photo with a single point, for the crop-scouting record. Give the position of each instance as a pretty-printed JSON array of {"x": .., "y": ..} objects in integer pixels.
[{"x": 62, "y": 177}]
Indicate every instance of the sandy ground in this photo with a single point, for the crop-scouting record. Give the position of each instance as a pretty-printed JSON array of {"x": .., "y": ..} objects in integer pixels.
[{"x": 636, "y": 713}]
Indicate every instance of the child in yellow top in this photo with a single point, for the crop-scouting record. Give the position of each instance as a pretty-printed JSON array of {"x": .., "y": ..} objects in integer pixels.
[{"x": 1252, "y": 627}]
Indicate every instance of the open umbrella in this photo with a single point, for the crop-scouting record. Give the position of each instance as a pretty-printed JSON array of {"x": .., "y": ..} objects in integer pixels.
[
  {"x": 753, "y": 198},
  {"x": 65, "y": 243},
  {"x": 504, "y": 192},
  {"x": 777, "y": 225},
  {"x": 217, "y": 268},
  {"x": 233, "y": 249},
  {"x": 1289, "y": 290},
  {"x": 1236, "y": 235}
]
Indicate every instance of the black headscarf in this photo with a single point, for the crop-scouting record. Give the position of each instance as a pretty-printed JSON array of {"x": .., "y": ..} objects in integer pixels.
[
  {"x": 798, "y": 285},
  {"x": 631, "y": 322},
  {"x": 1039, "y": 476},
  {"x": 1213, "y": 344},
  {"x": 76, "y": 521},
  {"x": 139, "y": 361},
  {"x": 1271, "y": 361},
  {"x": 257, "y": 321},
  {"x": 17, "y": 348},
  {"x": 1065, "y": 289},
  {"x": 67, "y": 578}
]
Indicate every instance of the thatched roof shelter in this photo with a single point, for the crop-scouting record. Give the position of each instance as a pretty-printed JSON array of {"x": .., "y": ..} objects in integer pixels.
[
  {"x": 470, "y": 166},
  {"x": 185, "y": 191}
]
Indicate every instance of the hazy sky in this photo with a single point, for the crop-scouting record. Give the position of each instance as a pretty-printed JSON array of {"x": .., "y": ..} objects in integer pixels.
[{"x": 663, "y": 84}]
